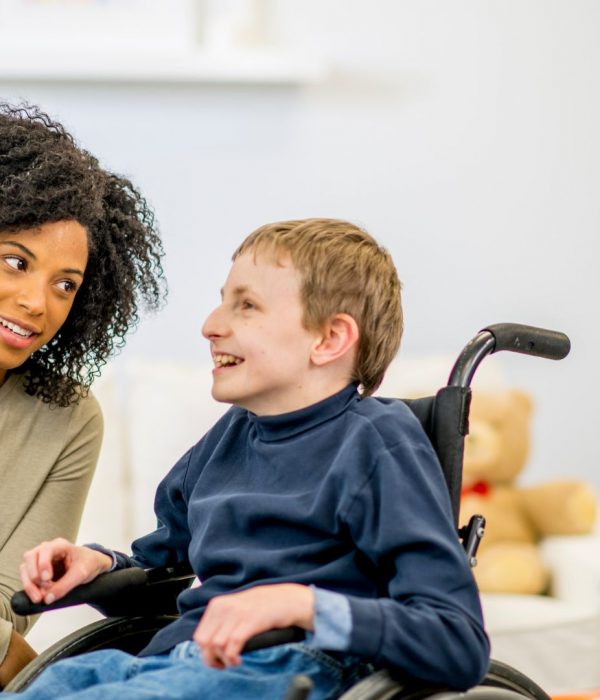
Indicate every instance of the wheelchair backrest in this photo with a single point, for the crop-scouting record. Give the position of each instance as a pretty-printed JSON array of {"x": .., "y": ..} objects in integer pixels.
[{"x": 445, "y": 419}]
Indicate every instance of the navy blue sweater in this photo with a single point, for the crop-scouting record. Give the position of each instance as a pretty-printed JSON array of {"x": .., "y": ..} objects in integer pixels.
[{"x": 347, "y": 495}]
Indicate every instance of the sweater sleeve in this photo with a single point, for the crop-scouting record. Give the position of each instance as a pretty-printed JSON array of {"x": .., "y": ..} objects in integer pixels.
[
  {"x": 168, "y": 544},
  {"x": 55, "y": 511},
  {"x": 427, "y": 621}
]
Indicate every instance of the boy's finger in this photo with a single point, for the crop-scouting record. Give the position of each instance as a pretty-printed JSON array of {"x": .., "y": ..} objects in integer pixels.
[
  {"x": 237, "y": 640},
  {"x": 232, "y": 655},
  {"x": 33, "y": 592},
  {"x": 29, "y": 565},
  {"x": 211, "y": 659},
  {"x": 48, "y": 558},
  {"x": 73, "y": 577}
]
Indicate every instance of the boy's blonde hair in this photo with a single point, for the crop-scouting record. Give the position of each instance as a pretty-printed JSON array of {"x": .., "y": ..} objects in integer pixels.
[{"x": 344, "y": 270}]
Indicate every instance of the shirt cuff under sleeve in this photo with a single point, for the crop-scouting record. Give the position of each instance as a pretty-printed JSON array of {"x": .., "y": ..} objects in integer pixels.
[{"x": 332, "y": 621}]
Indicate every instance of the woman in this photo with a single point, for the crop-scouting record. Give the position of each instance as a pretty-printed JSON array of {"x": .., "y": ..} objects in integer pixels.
[{"x": 79, "y": 252}]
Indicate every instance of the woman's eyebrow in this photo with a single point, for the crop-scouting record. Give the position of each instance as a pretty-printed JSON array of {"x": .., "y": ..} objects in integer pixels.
[
  {"x": 72, "y": 271},
  {"x": 31, "y": 254},
  {"x": 21, "y": 247}
]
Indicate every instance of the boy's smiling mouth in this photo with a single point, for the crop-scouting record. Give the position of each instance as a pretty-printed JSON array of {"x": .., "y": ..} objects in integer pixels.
[{"x": 224, "y": 360}]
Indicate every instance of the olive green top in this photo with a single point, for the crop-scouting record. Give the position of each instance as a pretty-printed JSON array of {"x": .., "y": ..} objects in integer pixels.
[{"x": 47, "y": 459}]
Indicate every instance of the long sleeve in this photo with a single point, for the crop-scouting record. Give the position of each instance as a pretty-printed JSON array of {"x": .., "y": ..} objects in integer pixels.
[
  {"x": 169, "y": 542},
  {"x": 427, "y": 618},
  {"x": 46, "y": 498}
]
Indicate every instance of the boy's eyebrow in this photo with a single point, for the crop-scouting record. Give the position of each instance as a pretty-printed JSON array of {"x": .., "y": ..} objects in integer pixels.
[{"x": 237, "y": 291}]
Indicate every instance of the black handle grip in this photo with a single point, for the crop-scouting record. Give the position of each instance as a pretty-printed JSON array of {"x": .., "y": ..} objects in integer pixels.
[
  {"x": 101, "y": 588},
  {"x": 529, "y": 340}
]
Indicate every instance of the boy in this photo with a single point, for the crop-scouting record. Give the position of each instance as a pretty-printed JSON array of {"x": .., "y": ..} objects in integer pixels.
[{"x": 307, "y": 504}]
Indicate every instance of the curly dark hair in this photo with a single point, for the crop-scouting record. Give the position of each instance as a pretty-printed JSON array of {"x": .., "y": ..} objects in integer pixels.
[{"x": 46, "y": 177}]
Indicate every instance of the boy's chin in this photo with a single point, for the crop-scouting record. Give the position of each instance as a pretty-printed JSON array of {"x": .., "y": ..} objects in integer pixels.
[{"x": 226, "y": 397}]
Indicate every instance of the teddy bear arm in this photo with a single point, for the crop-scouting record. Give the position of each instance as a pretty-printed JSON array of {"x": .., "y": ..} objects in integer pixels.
[
  {"x": 565, "y": 507},
  {"x": 511, "y": 567}
]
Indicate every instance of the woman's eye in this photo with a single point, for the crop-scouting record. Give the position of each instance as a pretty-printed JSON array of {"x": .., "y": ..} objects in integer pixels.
[
  {"x": 15, "y": 262},
  {"x": 67, "y": 286}
]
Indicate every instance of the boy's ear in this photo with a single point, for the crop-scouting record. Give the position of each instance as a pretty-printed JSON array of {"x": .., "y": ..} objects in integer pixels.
[{"x": 339, "y": 335}]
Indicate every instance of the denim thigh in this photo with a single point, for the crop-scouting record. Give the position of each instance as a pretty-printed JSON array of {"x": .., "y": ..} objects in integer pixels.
[{"x": 181, "y": 675}]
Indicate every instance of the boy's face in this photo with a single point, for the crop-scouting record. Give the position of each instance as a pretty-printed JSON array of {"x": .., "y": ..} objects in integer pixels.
[{"x": 259, "y": 346}]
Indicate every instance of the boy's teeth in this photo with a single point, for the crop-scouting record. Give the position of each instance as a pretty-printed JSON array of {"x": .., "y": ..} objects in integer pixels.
[
  {"x": 15, "y": 329},
  {"x": 221, "y": 360}
]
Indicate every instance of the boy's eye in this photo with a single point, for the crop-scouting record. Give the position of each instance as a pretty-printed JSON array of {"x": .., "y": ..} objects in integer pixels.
[
  {"x": 247, "y": 304},
  {"x": 16, "y": 262}
]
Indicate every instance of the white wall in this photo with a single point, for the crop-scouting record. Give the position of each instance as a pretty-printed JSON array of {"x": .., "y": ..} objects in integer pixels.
[{"x": 461, "y": 133}]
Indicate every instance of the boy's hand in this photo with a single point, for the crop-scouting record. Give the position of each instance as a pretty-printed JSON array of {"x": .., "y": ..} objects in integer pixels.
[
  {"x": 230, "y": 620},
  {"x": 50, "y": 570}
]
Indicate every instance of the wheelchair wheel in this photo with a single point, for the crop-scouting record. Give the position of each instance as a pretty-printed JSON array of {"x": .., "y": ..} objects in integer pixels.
[
  {"x": 130, "y": 634},
  {"x": 378, "y": 686},
  {"x": 502, "y": 682},
  {"x": 501, "y": 675}
]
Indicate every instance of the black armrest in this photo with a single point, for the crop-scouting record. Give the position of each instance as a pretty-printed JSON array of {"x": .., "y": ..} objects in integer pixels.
[
  {"x": 128, "y": 592},
  {"x": 143, "y": 592},
  {"x": 285, "y": 635}
]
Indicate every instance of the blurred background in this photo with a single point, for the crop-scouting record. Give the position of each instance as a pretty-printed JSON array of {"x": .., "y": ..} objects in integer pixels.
[{"x": 462, "y": 133}]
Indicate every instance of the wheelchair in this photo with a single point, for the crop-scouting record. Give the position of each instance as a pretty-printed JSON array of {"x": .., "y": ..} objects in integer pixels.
[{"x": 137, "y": 602}]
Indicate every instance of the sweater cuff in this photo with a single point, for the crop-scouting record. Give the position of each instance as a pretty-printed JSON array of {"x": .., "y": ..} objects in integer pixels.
[
  {"x": 367, "y": 626},
  {"x": 104, "y": 550}
]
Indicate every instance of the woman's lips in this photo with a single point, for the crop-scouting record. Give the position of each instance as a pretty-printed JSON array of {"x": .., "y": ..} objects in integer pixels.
[{"x": 15, "y": 340}]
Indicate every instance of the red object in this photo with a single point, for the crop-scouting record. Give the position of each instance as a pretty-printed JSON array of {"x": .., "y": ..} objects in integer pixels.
[{"x": 480, "y": 488}]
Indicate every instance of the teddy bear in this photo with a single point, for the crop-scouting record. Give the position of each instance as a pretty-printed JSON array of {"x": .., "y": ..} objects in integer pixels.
[{"x": 496, "y": 452}]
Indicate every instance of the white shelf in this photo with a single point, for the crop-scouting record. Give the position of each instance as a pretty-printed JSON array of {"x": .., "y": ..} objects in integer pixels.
[{"x": 259, "y": 66}]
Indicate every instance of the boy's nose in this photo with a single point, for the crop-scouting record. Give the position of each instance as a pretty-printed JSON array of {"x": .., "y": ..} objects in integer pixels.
[{"x": 214, "y": 325}]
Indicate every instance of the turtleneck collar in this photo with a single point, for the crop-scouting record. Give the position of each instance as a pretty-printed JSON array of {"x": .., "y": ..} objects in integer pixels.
[{"x": 286, "y": 425}]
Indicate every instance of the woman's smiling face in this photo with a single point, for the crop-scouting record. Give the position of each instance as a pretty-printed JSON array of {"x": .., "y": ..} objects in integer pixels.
[{"x": 41, "y": 270}]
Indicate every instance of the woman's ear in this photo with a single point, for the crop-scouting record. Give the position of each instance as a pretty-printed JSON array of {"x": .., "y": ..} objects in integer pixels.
[{"x": 339, "y": 336}]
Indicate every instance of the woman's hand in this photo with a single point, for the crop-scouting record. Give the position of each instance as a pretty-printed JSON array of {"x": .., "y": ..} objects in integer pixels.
[
  {"x": 230, "y": 620},
  {"x": 50, "y": 570}
]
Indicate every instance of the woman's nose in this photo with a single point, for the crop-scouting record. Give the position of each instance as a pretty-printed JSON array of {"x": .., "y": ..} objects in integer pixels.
[{"x": 32, "y": 297}]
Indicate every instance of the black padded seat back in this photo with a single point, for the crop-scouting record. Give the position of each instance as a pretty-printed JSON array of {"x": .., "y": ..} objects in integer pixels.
[{"x": 445, "y": 419}]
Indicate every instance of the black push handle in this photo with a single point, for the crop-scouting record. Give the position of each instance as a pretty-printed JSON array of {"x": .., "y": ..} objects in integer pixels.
[
  {"x": 514, "y": 337},
  {"x": 101, "y": 588},
  {"x": 529, "y": 340}
]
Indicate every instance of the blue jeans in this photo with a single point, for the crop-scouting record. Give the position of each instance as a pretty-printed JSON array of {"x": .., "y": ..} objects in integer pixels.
[{"x": 181, "y": 675}]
